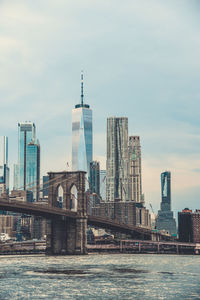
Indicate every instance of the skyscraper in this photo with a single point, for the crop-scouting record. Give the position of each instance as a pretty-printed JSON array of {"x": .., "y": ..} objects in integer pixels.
[
  {"x": 27, "y": 171},
  {"x": 82, "y": 140},
  {"x": 4, "y": 170},
  {"x": 95, "y": 177},
  {"x": 117, "y": 159},
  {"x": 135, "y": 170},
  {"x": 165, "y": 220}
]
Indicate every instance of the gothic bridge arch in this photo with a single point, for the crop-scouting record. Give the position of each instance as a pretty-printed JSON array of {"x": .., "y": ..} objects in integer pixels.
[{"x": 67, "y": 191}]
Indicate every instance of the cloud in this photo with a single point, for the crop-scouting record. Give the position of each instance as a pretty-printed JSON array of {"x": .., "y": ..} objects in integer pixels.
[{"x": 140, "y": 59}]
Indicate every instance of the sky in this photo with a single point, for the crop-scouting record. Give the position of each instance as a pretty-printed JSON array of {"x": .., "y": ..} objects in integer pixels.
[{"x": 140, "y": 60}]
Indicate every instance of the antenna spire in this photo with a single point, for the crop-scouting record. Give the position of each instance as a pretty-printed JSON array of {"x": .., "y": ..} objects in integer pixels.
[{"x": 82, "y": 95}]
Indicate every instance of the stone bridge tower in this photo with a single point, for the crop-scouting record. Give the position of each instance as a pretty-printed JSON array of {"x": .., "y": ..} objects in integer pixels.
[{"x": 67, "y": 235}]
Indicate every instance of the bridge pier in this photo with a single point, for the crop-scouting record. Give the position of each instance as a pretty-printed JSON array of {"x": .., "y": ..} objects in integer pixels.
[
  {"x": 77, "y": 236},
  {"x": 67, "y": 236}
]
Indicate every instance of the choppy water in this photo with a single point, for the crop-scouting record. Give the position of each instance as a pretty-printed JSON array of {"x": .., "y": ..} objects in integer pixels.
[{"x": 100, "y": 277}]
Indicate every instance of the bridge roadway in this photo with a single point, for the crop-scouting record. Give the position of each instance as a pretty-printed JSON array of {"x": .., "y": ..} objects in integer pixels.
[{"x": 49, "y": 212}]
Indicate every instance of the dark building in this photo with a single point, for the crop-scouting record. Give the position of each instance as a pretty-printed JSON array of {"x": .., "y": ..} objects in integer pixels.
[
  {"x": 94, "y": 177},
  {"x": 189, "y": 226},
  {"x": 45, "y": 186},
  {"x": 165, "y": 220}
]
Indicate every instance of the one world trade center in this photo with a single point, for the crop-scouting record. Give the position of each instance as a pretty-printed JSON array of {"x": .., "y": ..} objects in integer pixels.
[{"x": 82, "y": 139}]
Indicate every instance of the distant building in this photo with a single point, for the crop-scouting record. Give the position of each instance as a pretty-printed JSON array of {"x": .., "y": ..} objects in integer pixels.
[
  {"x": 94, "y": 177},
  {"x": 16, "y": 179},
  {"x": 27, "y": 171},
  {"x": 4, "y": 170},
  {"x": 189, "y": 226},
  {"x": 135, "y": 170},
  {"x": 45, "y": 186},
  {"x": 6, "y": 225},
  {"x": 103, "y": 184},
  {"x": 21, "y": 195},
  {"x": 122, "y": 211},
  {"x": 117, "y": 159},
  {"x": 165, "y": 220},
  {"x": 82, "y": 139},
  {"x": 143, "y": 217}
]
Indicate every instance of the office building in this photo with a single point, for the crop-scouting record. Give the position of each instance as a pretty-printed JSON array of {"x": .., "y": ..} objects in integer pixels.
[
  {"x": 33, "y": 168},
  {"x": 4, "y": 170},
  {"x": 82, "y": 139},
  {"x": 94, "y": 178},
  {"x": 45, "y": 186},
  {"x": 27, "y": 171},
  {"x": 189, "y": 226},
  {"x": 135, "y": 170},
  {"x": 117, "y": 159},
  {"x": 165, "y": 220},
  {"x": 103, "y": 184}
]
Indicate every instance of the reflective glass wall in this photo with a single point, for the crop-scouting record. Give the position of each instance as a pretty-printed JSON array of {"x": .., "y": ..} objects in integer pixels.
[
  {"x": 27, "y": 171},
  {"x": 166, "y": 190},
  {"x": 82, "y": 140}
]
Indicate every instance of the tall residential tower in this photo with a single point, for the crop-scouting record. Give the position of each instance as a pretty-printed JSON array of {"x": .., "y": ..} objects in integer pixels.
[
  {"x": 135, "y": 170},
  {"x": 117, "y": 159},
  {"x": 82, "y": 140}
]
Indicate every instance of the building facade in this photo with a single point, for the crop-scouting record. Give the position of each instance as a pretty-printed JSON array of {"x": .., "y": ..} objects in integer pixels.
[
  {"x": 94, "y": 178},
  {"x": 27, "y": 171},
  {"x": 165, "y": 220},
  {"x": 82, "y": 138},
  {"x": 135, "y": 169},
  {"x": 103, "y": 184},
  {"x": 189, "y": 226},
  {"x": 45, "y": 186},
  {"x": 117, "y": 159},
  {"x": 4, "y": 170}
]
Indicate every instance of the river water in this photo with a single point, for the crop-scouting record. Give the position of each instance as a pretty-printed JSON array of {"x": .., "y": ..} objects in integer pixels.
[{"x": 116, "y": 276}]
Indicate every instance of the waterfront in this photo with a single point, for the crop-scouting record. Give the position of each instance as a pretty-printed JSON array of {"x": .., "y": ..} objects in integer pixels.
[{"x": 119, "y": 276}]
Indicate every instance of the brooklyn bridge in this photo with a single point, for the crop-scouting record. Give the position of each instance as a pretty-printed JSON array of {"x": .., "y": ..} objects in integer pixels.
[{"x": 67, "y": 222}]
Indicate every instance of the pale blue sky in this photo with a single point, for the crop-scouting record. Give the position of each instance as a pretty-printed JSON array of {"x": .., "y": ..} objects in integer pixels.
[{"x": 140, "y": 59}]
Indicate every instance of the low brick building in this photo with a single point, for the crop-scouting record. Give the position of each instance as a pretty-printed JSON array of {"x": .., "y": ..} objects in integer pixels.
[
  {"x": 189, "y": 226},
  {"x": 128, "y": 212}
]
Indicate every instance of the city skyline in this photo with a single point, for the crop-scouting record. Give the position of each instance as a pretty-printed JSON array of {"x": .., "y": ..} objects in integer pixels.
[{"x": 151, "y": 78}]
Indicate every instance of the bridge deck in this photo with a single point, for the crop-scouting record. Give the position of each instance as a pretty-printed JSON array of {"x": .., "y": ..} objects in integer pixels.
[{"x": 47, "y": 211}]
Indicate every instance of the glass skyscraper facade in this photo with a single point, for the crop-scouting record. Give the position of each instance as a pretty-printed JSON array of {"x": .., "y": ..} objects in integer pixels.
[
  {"x": 4, "y": 170},
  {"x": 33, "y": 168},
  {"x": 27, "y": 171},
  {"x": 117, "y": 172},
  {"x": 82, "y": 138}
]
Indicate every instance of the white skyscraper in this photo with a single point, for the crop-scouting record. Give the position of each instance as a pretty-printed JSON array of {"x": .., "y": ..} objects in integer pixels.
[
  {"x": 117, "y": 159},
  {"x": 82, "y": 139}
]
